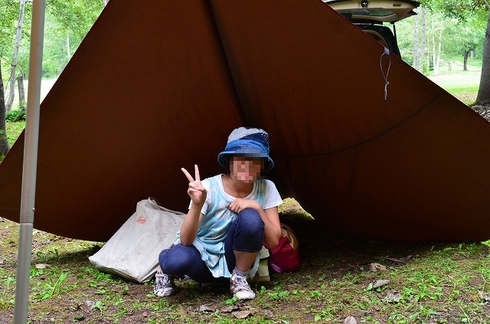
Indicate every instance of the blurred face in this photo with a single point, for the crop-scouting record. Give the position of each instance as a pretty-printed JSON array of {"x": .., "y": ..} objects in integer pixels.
[{"x": 245, "y": 168}]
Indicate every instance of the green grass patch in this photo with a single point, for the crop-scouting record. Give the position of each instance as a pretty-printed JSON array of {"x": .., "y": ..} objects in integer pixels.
[
  {"x": 14, "y": 129},
  {"x": 461, "y": 84},
  {"x": 458, "y": 90},
  {"x": 425, "y": 282}
]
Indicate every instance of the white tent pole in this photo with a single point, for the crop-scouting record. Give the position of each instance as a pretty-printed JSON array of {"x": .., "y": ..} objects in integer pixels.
[{"x": 30, "y": 163}]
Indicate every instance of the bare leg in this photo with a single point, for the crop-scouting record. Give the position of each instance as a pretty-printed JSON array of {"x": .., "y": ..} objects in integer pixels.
[{"x": 244, "y": 260}]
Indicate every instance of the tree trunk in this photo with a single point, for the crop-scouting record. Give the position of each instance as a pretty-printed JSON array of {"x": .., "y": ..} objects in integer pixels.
[
  {"x": 424, "y": 41},
  {"x": 22, "y": 93},
  {"x": 15, "y": 57},
  {"x": 68, "y": 50},
  {"x": 434, "y": 51},
  {"x": 437, "y": 29},
  {"x": 483, "y": 97},
  {"x": 4, "y": 144},
  {"x": 439, "y": 48},
  {"x": 466, "y": 54},
  {"x": 416, "y": 42},
  {"x": 420, "y": 41}
]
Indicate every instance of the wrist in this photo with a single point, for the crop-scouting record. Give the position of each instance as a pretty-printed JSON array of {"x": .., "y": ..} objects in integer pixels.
[{"x": 197, "y": 206}]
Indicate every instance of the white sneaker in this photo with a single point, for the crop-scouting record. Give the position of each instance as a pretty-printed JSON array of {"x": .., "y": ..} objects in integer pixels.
[
  {"x": 164, "y": 284},
  {"x": 240, "y": 287}
]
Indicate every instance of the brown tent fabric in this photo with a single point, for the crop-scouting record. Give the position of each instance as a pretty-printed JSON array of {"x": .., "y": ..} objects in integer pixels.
[{"x": 158, "y": 85}]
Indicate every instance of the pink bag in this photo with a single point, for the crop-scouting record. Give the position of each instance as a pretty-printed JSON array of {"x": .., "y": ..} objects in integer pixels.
[{"x": 285, "y": 256}]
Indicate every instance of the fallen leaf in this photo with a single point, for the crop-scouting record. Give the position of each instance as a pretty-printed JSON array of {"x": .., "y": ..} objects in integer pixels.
[
  {"x": 241, "y": 314},
  {"x": 380, "y": 283},
  {"x": 400, "y": 260},
  {"x": 89, "y": 303},
  {"x": 365, "y": 299},
  {"x": 182, "y": 311},
  {"x": 392, "y": 297},
  {"x": 350, "y": 320},
  {"x": 228, "y": 309},
  {"x": 205, "y": 308},
  {"x": 268, "y": 315},
  {"x": 377, "y": 267},
  {"x": 483, "y": 297}
]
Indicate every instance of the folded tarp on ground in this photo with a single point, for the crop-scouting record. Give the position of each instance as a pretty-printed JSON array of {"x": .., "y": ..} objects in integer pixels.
[{"x": 158, "y": 85}]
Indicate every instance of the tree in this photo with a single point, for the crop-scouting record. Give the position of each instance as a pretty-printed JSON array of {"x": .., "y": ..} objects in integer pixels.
[
  {"x": 461, "y": 10},
  {"x": 483, "y": 97},
  {"x": 4, "y": 144},
  {"x": 463, "y": 38},
  {"x": 437, "y": 28},
  {"x": 69, "y": 19},
  {"x": 8, "y": 13},
  {"x": 15, "y": 57},
  {"x": 420, "y": 41},
  {"x": 67, "y": 23}
]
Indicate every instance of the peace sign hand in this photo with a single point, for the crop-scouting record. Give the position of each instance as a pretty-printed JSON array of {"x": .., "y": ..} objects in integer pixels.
[{"x": 196, "y": 191}]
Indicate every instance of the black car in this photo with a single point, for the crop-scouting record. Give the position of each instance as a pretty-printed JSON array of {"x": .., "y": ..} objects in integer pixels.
[{"x": 370, "y": 15}]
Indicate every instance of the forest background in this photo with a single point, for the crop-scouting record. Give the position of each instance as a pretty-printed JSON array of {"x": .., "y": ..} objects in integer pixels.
[{"x": 444, "y": 36}]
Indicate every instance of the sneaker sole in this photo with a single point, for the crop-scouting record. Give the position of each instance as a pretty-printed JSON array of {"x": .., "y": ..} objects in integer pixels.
[
  {"x": 164, "y": 292},
  {"x": 245, "y": 295}
]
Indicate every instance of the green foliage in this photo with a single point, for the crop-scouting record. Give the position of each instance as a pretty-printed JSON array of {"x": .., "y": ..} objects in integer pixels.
[
  {"x": 66, "y": 24},
  {"x": 463, "y": 36},
  {"x": 454, "y": 8},
  {"x": 9, "y": 11},
  {"x": 76, "y": 16},
  {"x": 49, "y": 289},
  {"x": 457, "y": 35},
  {"x": 13, "y": 131},
  {"x": 16, "y": 115}
]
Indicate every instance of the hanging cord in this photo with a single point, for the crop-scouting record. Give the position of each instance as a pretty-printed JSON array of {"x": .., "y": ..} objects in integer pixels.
[{"x": 385, "y": 75}]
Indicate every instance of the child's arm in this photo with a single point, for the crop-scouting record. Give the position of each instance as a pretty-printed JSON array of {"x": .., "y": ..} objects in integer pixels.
[
  {"x": 197, "y": 193},
  {"x": 272, "y": 229}
]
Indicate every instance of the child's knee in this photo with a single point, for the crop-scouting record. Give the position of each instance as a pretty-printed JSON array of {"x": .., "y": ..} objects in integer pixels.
[
  {"x": 175, "y": 260},
  {"x": 249, "y": 219}
]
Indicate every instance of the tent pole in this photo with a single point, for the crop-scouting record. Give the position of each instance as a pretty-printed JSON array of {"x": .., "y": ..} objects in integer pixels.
[{"x": 30, "y": 163}]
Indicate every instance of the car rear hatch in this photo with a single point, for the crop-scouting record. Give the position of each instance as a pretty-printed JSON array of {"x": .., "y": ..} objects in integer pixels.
[{"x": 373, "y": 11}]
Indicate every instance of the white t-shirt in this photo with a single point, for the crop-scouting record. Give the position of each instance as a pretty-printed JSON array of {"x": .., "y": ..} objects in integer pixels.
[{"x": 217, "y": 220}]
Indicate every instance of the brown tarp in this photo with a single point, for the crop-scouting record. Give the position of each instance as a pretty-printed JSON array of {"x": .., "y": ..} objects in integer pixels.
[{"x": 158, "y": 85}]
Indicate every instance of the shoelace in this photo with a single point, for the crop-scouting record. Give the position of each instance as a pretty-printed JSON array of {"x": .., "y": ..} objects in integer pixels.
[
  {"x": 241, "y": 283},
  {"x": 162, "y": 281}
]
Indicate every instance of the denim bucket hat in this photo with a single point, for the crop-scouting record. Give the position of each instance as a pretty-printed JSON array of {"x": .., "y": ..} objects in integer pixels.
[{"x": 244, "y": 141}]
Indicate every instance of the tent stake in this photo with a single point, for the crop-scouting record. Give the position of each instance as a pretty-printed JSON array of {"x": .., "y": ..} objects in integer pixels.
[{"x": 30, "y": 163}]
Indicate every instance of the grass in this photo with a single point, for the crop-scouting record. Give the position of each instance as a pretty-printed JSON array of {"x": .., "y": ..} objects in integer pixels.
[
  {"x": 425, "y": 282},
  {"x": 461, "y": 84},
  {"x": 14, "y": 130}
]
